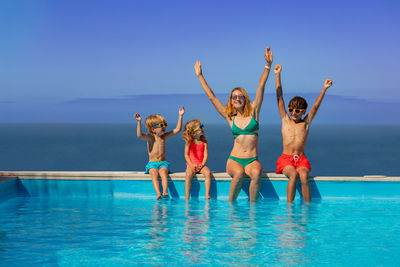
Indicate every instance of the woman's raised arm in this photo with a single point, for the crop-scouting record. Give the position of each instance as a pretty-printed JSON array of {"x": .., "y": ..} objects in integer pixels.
[
  {"x": 261, "y": 85},
  {"x": 214, "y": 100}
]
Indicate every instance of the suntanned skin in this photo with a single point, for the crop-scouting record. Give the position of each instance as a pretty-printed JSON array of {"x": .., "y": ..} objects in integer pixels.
[
  {"x": 295, "y": 131},
  {"x": 156, "y": 150},
  {"x": 192, "y": 168},
  {"x": 245, "y": 146}
]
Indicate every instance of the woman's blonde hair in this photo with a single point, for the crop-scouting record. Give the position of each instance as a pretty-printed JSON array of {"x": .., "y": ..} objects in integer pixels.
[
  {"x": 187, "y": 133},
  {"x": 153, "y": 120},
  {"x": 248, "y": 107}
]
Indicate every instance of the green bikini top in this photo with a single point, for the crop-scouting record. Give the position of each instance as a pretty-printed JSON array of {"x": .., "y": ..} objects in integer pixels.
[{"x": 248, "y": 130}]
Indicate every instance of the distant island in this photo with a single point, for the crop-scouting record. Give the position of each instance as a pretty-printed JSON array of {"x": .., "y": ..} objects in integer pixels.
[{"x": 336, "y": 109}]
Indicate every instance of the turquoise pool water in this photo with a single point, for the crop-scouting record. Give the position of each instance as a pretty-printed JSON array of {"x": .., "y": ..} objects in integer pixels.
[{"x": 115, "y": 231}]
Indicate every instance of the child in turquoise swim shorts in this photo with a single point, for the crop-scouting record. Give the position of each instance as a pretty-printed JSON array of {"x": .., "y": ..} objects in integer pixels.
[{"x": 158, "y": 166}]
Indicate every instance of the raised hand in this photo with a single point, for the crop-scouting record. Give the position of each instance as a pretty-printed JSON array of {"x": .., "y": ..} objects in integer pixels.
[
  {"x": 181, "y": 111},
  {"x": 197, "y": 68},
  {"x": 278, "y": 69},
  {"x": 268, "y": 56},
  {"x": 137, "y": 116},
  {"x": 327, "y": 83}
]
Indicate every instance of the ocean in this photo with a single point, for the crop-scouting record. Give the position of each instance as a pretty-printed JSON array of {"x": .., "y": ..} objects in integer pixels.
[{"x": 333, "y": 150}]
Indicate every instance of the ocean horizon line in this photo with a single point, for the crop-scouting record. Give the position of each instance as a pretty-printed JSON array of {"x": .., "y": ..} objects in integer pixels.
[
  {"x": 334, "y": 110},
  {"x": 226, "y": 94}
]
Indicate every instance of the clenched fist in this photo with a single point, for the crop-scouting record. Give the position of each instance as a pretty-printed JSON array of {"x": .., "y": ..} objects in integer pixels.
[
  {"x": 277, "y": 69},
  {"x": 328, "y": 83}
]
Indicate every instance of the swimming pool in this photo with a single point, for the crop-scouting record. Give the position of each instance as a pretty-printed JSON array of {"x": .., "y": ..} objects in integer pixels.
[{"x": 113, "y": 223}]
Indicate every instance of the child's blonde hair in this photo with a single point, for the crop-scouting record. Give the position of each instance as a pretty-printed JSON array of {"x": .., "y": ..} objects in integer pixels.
[
  {"x": 188, "y": 131},
  {"x": 248, "y": 107},
  {"x": 153, "y": 120}
]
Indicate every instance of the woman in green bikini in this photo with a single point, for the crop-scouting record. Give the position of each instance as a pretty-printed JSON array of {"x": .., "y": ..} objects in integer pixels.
[{"x": 243, "y": 117}]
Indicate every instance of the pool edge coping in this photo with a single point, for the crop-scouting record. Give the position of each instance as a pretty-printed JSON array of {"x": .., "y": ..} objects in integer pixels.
[{"x": 177, "y": 176}]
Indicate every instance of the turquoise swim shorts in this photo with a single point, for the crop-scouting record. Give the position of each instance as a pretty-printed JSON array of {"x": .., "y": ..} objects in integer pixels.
[{"x": 156, "y": 165}]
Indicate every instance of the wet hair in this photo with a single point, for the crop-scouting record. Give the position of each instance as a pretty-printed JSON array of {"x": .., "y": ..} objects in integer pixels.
[
  {"x": 153, "y": 120},
  {"x": 187, "y": 133},
  {"x": 298, "y": 102},
  {"x": 248, "y": 107}
]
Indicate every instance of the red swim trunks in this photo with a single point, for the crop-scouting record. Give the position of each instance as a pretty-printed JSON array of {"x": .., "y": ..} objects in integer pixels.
[{"x": 292, "y": 160}]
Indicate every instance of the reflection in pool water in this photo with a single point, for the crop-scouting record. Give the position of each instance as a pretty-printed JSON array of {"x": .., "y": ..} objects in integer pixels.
[{"x": 115, "y": 231}]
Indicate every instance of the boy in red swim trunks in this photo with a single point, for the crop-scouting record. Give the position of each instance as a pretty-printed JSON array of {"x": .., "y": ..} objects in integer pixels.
[{"x": 293, "y": 163}]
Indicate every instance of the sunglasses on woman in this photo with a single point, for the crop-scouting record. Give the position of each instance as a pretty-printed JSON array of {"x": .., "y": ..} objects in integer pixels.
[
  {"x": 297, "y": 110},
  {"x": 235, "y": 97},
  {"x": 160, "y": 125},
  {"x": 201, "y": 127}
]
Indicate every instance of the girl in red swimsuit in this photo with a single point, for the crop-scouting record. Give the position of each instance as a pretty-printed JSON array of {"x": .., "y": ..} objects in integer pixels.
[{"x": 196, "y": 155}]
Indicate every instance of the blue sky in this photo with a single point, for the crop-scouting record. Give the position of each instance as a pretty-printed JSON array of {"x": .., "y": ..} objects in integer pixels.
[{"x": 56, "y": 51}]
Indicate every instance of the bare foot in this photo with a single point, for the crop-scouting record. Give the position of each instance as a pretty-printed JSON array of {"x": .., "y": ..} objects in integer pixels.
[
  {"x": 158, "y": 197},
  {"x": 208, "y": 197},
  {"x": 166, "y": 196}
]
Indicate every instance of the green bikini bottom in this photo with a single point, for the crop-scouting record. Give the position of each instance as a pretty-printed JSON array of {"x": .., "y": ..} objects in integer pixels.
[{"x": 243, "y": 161}]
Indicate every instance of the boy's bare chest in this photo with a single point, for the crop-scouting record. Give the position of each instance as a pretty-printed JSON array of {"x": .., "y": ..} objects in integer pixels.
[
  {"x": 157, "y": 143},
  {"x": 292, "y": 130}
]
